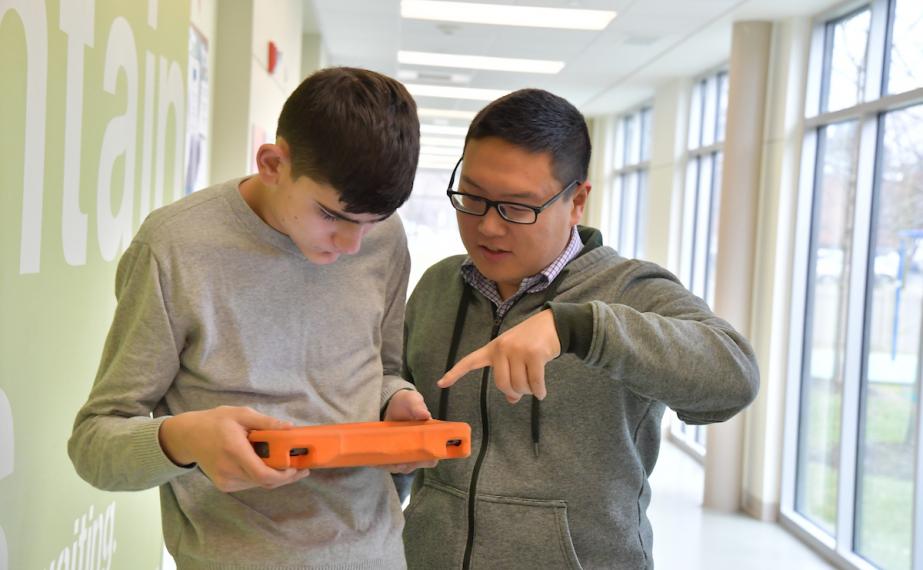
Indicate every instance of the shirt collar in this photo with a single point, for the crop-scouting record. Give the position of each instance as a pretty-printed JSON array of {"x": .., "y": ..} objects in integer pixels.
[{"x": 531, "y": 284}]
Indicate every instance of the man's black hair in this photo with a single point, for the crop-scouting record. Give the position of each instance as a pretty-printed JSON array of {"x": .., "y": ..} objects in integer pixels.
[{"x": 538, "y": 121}]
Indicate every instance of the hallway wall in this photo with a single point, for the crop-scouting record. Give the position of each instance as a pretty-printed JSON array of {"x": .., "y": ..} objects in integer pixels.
[
  {"x": 93, "y": 115},
  {"x": 95, "y": 109}
]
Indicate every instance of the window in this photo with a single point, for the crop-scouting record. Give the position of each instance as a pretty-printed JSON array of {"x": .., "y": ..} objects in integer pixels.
[
  {"x": 701, "y": 197},
  {"x": 429, "y": 219},
  {"x": 702, "y": 192},
  {"x": 625, "y": 202},
  {"x": 856, "y": 486}
]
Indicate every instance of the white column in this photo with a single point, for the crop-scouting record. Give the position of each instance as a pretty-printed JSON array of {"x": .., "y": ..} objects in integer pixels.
[
  {"x": 313, "y": 56},
  {"x": 749, "y": 67},
  {"x": 231, "y": 123}
]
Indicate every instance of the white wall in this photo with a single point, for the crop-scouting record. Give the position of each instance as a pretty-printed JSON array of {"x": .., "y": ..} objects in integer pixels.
[
  {"x": 248, "y": 98},
  {"x": 278, "y": 21}
]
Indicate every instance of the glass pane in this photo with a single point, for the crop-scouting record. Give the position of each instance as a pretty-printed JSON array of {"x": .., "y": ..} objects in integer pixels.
[
  {"x": 695, "y": 115},
  {"x": 632, "y": 139},
  {"x": 825, "y": 325},
  {"x": 619, "y": 161},
  {"x": 615, "y": 212},
  {"x": 845, "y": 63},
  {"x": 640, "y": 206},
  {"x": 892, "y": 374},
  {"x": 710, "y": 112},
  {"x": 629, "y": 211},
  {"x": 429, "y": 221},
  {"x": 713, "y": 231},
  {"x": 722, "y": 106},
  {"x": 646, "y": 134},
  {"x": 906, "y": 57},
  {"x": 690, "y": 193},
  {"x": 702, "y": 224}
]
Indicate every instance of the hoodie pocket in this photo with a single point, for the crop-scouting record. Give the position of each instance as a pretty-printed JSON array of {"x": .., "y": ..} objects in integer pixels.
[
  {"x": 522, "y": 533},
  {"x": 434, "y": 527}
]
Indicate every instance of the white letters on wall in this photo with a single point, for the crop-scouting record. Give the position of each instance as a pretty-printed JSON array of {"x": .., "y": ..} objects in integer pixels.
[
  {"x": 164, "y": 94},
  {"x": 115, "y": 230},
  {"x": 172, "y": 94},
  {"x": 93, "y": 545},
  {"x": 77, "y": 22},
  {"x": 146, "y": 134},
  {"x": 35, "y": 24}
]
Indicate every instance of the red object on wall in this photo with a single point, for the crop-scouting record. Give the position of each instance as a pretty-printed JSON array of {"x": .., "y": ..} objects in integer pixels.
[{"x": 273, "y": 57}]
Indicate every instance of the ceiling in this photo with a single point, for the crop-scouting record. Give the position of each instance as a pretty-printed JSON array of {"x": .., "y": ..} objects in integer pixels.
[{"x": 648, "y": 43}]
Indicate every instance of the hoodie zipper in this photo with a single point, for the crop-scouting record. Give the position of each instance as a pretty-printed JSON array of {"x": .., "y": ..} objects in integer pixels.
[{"x": 485, "y": 440}]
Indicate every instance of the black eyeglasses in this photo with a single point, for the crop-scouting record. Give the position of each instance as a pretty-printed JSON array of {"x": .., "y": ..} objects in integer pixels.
[{"x": 512, "y": 212}]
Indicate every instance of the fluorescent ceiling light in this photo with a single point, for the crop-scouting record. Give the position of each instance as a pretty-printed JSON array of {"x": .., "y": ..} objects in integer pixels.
[
  {"x": 443, "y": 130},
  {"x": 419, "y": 90},
  {"x": 446, "y": 113},
  {"x": 479, "y": 62},
  {"x": 414, "y": 75},
  {"x": 502, "y": 15},
  {"x": 426, "y": 140}
]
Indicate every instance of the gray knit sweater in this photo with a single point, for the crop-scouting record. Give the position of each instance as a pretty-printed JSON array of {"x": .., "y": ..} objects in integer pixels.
[
  {"x": 564, "y": 484},
  {"x": 217, "y": 308}
]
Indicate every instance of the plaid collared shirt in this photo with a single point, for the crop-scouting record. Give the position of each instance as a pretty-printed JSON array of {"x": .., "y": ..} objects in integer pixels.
[{"x": 533, "y": 284}]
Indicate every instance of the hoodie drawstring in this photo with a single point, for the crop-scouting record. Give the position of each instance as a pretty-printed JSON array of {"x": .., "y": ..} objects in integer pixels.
[
  {"x": 453, "y": 348},
  {"x": 459, "y": 327}
]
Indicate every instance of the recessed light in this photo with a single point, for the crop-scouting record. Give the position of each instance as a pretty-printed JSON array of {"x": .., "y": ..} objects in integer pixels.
[
  {"x": 506, "y": 15},
  {"x": 479, "y": 62}
]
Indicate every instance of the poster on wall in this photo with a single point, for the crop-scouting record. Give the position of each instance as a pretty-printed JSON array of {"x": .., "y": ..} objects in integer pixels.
[
  {"x": 92, "y": 127},
  {"x": 197, "y": 113}
]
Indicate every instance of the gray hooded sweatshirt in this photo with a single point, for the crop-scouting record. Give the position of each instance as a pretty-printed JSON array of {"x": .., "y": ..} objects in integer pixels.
[{"x": 563, "y": 483}]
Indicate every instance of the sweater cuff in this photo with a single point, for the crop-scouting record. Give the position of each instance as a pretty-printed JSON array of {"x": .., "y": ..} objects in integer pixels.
[
  {"x": 391, "y": 386},
  {"x": 574, "y": 323},
  {"x": 146, "y": 444}
]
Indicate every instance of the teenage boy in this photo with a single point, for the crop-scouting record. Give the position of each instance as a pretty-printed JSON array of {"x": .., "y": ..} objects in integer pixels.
[
  {"x": 586, "y": 348},
  {"x": 250, "y": 305}
]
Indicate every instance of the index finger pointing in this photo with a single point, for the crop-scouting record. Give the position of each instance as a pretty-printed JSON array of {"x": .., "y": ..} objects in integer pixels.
[{"x": 477, "y": 359}]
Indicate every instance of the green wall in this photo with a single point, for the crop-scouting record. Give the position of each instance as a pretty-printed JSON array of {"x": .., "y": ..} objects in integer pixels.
[{"x": 92, "y": 119}]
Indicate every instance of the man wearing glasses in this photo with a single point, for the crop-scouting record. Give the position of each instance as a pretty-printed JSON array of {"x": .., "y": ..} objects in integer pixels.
[{"x": 586, "y": 347}]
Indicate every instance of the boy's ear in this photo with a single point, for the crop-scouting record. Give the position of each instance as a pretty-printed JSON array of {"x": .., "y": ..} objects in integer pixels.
[{"x": 272, "y": 160}]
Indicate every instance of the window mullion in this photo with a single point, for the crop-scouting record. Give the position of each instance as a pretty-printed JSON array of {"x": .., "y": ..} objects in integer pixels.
[
  {"x": 916, "y": 552},
  {"x": 858, "y": 264},
  {"x": 877, "y": 50}
]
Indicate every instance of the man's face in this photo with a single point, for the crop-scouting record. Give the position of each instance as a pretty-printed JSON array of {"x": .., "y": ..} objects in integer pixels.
[
  {"x": 312, "y": 215},
  {"x": 503, "y": 251}
]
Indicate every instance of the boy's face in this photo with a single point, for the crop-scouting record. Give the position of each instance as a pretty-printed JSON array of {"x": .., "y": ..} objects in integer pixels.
[
  {"x": 313, "y": 217},
  {"x": 504, "y": 252}
]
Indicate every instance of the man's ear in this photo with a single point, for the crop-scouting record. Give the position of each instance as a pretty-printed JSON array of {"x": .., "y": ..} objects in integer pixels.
[
  {"x": 579, "y": 202},
  {"x": 272, "y": 161}
]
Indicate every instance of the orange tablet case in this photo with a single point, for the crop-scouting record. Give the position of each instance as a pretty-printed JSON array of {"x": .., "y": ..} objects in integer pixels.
[{"x": 361, "y": 444}]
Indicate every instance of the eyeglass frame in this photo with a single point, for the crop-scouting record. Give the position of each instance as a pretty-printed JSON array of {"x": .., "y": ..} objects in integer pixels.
[{"x": 496, "y": 203}]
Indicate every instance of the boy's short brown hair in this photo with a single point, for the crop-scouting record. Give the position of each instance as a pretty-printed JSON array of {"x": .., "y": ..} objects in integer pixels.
[{"x": 356, "y": 130}]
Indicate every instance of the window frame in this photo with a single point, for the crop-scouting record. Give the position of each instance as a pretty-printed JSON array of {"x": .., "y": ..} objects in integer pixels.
[
  {"x": 870, "y": 114},
  {"x": 693, "y": 260},
  {"x": 623, "y": 170}
]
